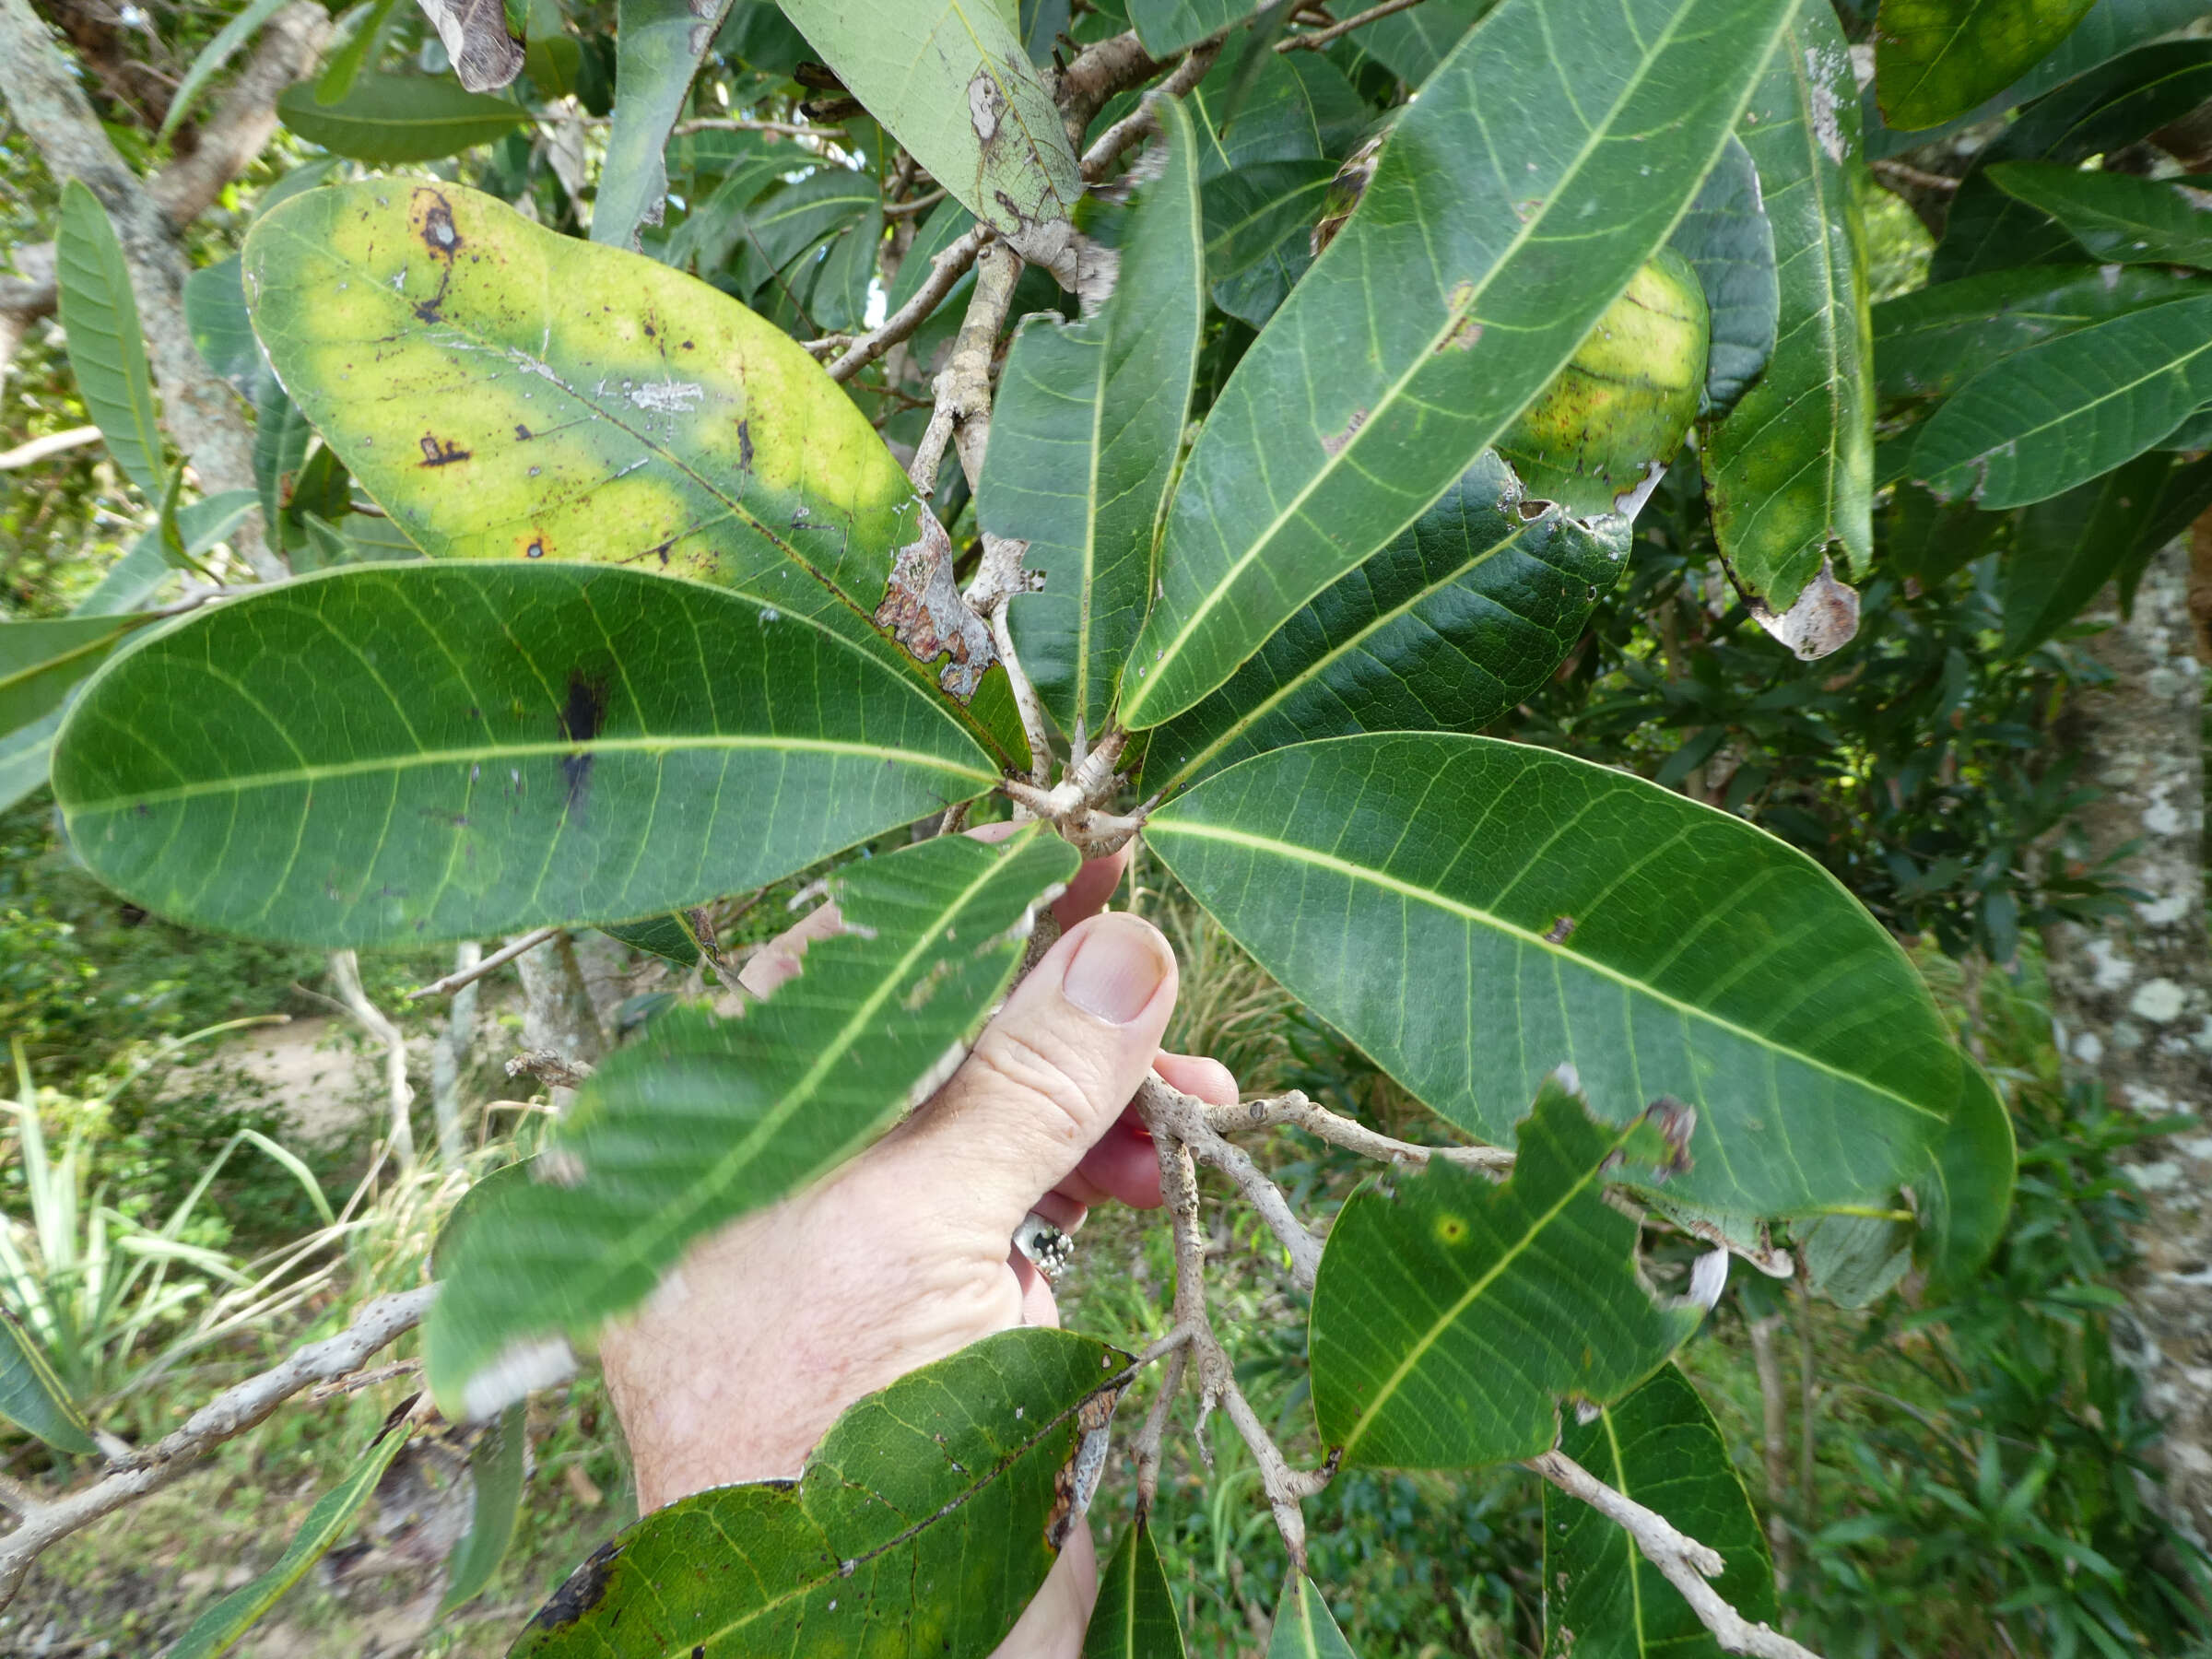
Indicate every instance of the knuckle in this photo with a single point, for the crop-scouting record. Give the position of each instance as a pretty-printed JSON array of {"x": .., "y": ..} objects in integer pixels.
[{"x": 1006, "y": 1062}]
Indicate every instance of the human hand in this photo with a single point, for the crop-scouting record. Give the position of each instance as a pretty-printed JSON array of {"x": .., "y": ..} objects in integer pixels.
[{"x": 768, "y": 1330}]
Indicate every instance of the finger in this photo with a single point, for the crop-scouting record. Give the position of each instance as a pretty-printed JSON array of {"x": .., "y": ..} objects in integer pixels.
[
  {"x": 1053, "y": 1626},
  {"x": 1196, "y": 1074},
  {"x": 1091, "y": 887},
  {"x": 1047, "y": 1077},
  {"x": 779, "y": 959},
  {"x": 1038, "y": 1307},
  {"x": 1124, "y": 1166}
]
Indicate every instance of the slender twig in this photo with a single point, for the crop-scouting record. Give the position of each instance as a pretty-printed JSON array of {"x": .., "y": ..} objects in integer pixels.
[
  {"x": 1106, "y": 149},
  {"x": 346, "y": 974},
  {"x": 53, "y": 443},
  {"x": 554, "y": 1070},
  {"x": 229, "y": 1414},
  {"x": 946, "y": 267},
  {"x": 1299, "y": 1112},
  {"x": 1184, "y": 1117},
  {"x": 921, "y": 204},
  {"x": 1905, "y": 173},
  {"x": 1285, "y": 1486},
  {"x": 490, "y": 964},
  {"x": 1684, "y": 1562},
  {"x": 1318, "y": 37},
  {"x": 721, "y": 124}
]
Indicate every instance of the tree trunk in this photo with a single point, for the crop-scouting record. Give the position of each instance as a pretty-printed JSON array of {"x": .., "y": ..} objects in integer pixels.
[{"x": 2132, "y": 996}]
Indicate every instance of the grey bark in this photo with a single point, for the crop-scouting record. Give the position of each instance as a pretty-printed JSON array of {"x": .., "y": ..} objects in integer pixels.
[
  {"x": 203, "y": 415},
  {"x": 449, "y": 1058},
  {"x": 2132, "y": 998},
  {"x": 557, "y": 1009}
]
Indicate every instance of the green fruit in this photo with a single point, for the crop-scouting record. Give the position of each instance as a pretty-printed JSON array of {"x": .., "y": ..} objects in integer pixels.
[{"x": 1625, "y": 399}]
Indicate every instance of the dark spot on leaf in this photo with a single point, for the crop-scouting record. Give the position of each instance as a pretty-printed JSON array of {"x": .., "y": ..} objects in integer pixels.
[
  {"x": 523, "y": 433},
  {"x": 1560, "y": 931},
  {"x": 1338, "y": 443},
  {"x": 1532, "y": 510},
  {"x": 437, "y": 453},
  {"x": 581, "y": 718},
  {"x": 582, "y": 1592},
  {"x": 745, "y": 445}
]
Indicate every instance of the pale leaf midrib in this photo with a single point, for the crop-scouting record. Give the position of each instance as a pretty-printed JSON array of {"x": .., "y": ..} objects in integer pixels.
[
  {"x": 1291, "y": 852},
  {"x": 1395, "y": 392},
  {"x": 525, "y": 751}
]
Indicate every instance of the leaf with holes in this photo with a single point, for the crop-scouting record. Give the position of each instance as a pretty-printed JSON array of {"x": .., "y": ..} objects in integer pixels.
[
  {"x": 1790, "y": 468},
  {"x": 1512, "y": 205},
  {"x": 387, "y": 119},
  {"x": 1936, "y": 59},
  {"x": 2043, "y": 420},
  {"x": 1661, "y": 1447},
  {"x": 1134, "y": 1618},
  {"x": 1452, "y": 1315},
  {"x": 951, "y": 81},
  {"x": 2096, "y": 114},
  {"x": 106, "y": 348},
  {"x": 1932, "y": 341},
  {"x": 650, "y": 422},
  {"x": 701, "y": 1121},
  {"x": 219, "y": 1629},
  {"x": 1472, "y": 913},
  {"x": 922, "y": 1523},
  {"x": 2116, "y": 215},
  {"x": 403, "y": 753},
  {"x": 1454, "y": 623},
  {"x": 1083, "y": 446},
  {"x": 1729, "y": 242},
  {"x": 1303, "y": 1629}
]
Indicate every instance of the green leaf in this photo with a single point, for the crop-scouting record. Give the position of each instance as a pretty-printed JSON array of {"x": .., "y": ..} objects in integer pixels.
[
  {"x": 2116, "y": 215},
  {"x": 1931, "y": 541},
  {"x": 1472, "y": 913},
  {"x": 701, "y": 1121},
  {"x": 646, "y": 419},
  {"x": 212, "y": 57},
  {"x": 1965, "y": 1197},
  {"x": 281, "y": 436},
  {"x": 1452, "y": 1313},
  {"x": 495, "y": 1470},
  {"x": 2066, "y": 549},
  {"x": 219, "y": 1629},
  {"x": 668, "y": 936},
  {"x": 922, "y": 1523},
  {"x": 23, "y": 759},
  {"x": 1167, "y": 25},
  {"x": 1259, "y": 233},
  {"x": 395, "y": 118},
  {"x": 1729, "y": 242},
  {"x": 1084, "y": 440},
  {"x": 1303, "y": 1629},
  {"x": 344, "y": 66},
  {"x": 107, "y": 349},
  {"x": 1936, "y": 59},
  {"x": 2110, "y": 29},
  {"x": 2035, "y": 424},
  {"x": 1134, "y": 1618},
  {"x": 214, "y": 312},
  {"x": 2186, "y": 492},
  {"x": 40, "y": 660},
  {"x": 1604, "y": 1600},
  {"x": 1297, "y": 107},
  {"x": 484, "y": 47},
  {"x": 1471, "y": 278},
  {"x": 1412, "y": 43},
  {"x": 1790, "y": 470},
  {"x": 658, "y": 46},
  {"x": 951, "y": 81},
  {"x": 1932, "y": 341},
  {"x": 1464, "y": 615},
  {"x": 1853, "y": 1261},
  {"x": 405, "y": 753},
  {"x": 1621, "y": 407},
  {"x": 32, "y": 1395},
  {"x": 2100, "y": 113}
]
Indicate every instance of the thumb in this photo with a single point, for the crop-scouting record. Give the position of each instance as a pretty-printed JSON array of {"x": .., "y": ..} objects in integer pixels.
[{"x": 1047, "y": 1077}]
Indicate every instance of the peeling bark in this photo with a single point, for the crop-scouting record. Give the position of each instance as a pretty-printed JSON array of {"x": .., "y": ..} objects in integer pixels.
[
  {"x": 557, "y": 1009},
  {"x": 2132, "y": 998}
]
